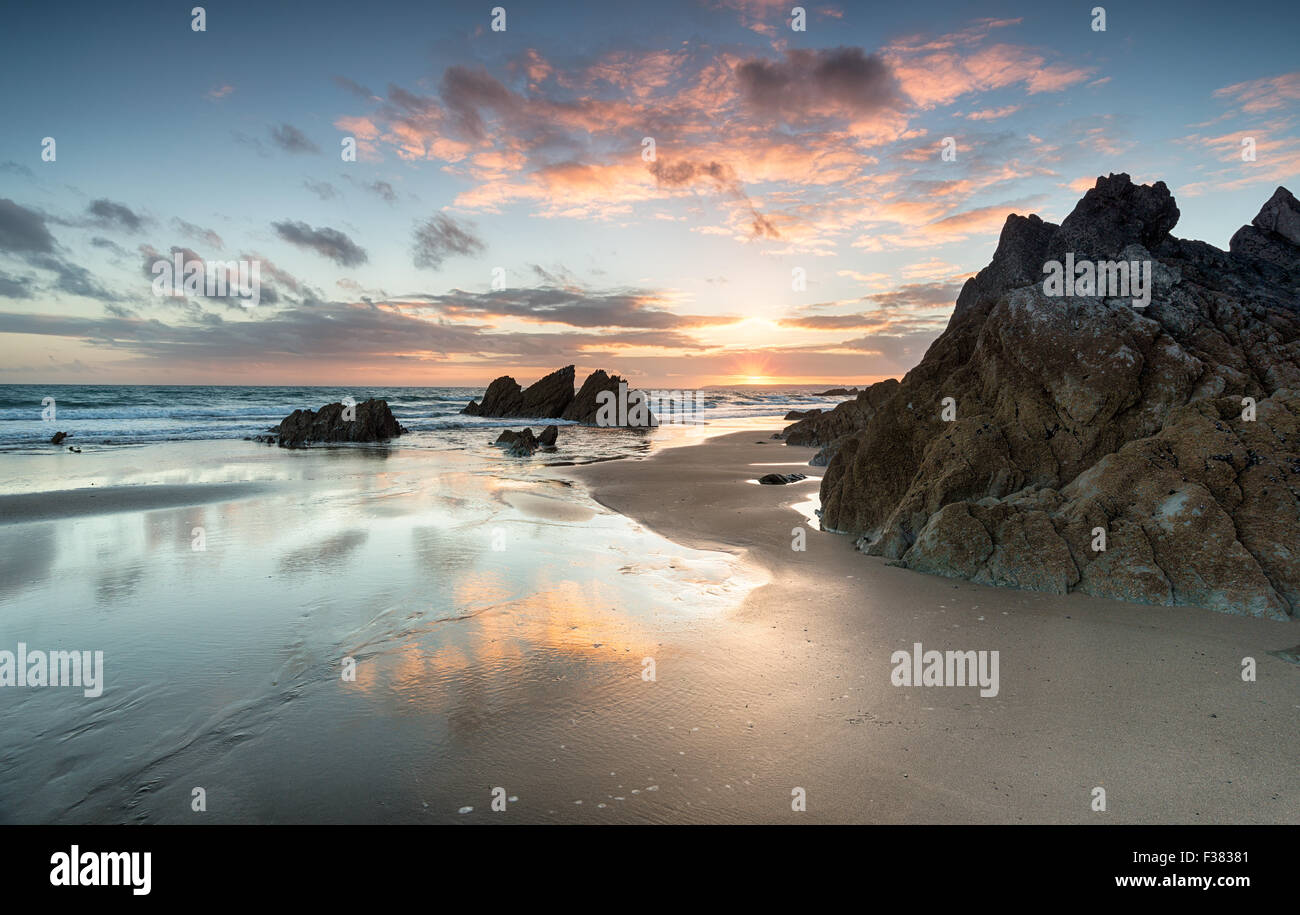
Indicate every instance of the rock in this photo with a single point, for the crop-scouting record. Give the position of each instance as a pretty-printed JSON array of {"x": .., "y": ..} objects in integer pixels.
[
  {"x": 551, "y": 396},
  {"x": 503, "y": 397},
  {"x": 801, "y": 414},
  {"x": 58, "y": 438},
  {"x": 823, "y": 457},
  {"x": 818, "y": 428},
  {"x": 1280, "y": 216},
  {"x": 1114, "y": 214},
  {"x": 584, "y": 406},
  {"x": 518, "y": 444},
  {"x": 1076, "y": 415},
  {"x": 548, "y": 437},
  {"x": 780, "y": 479},
  {"x": 546, "y": 398},
  {"x": 372, "y": 422},
  {"x": 837, "y": 392},
  {"x": 1274, "y": 232}
]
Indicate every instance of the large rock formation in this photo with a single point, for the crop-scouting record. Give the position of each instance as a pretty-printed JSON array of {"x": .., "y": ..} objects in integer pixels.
[
  {"x": 821, "y": 429},
  {"x": 1170, "y": 436},
  {"x": 544, "y": 399},
  {"x": 372, "y": 422},
  {"x": 551, "y": 398}
]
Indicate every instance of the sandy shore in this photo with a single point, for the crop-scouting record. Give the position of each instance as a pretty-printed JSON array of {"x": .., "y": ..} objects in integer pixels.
[
  {"x": 503, "y": 616},
  {"x": 1145, "y": 702}
]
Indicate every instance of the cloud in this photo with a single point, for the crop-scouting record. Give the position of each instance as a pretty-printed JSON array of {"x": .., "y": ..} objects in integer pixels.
[
  {"x": 441, "y": 237},
  {"x": 219, "y": 93},
  {"x": 198, "y": 233},
  {"x": 16, "y": 168},
  {"x": 355, "y": 88},
  {"x": 806, "y": 83},
  {"x": 573, "y": 306},
  {"x": 680, "y": 173},
  {"x": 322, "y": 189},
  {"x": 381, "y": 189},
  {"x": 109, "y": 215},
  {"x": 71, "y": 278},
  {"x": 326, "y": 242},
  {"x": 939, "y": 72},
  {"x": 324, "y": 333},
  {"x": 15, "y": 287},
  {"x": 23, "y": 230},
  {"x": 1265, "y": 94},
  {"x": 292, "y": 140},
  {"x": 992, "y": 114}
]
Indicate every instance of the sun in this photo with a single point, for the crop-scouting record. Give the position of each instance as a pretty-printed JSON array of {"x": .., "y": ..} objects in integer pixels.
[{"x": 752, "y": 371}]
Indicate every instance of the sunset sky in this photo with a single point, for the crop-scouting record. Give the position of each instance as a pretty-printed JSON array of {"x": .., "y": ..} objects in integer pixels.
[{"x": 522, "y": 151}]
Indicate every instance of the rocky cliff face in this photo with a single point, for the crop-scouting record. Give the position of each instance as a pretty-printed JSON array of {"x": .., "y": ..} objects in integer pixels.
[{"x": 1148, "y": 454}]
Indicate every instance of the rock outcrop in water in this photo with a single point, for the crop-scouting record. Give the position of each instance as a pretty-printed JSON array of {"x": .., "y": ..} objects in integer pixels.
[
  {"x": 552, "y": 397},
  {"x": 544, "y": 399},
  {"x": 372, "y": 421},
  {"x": 518, "y": 444},
  {"x": 1147, "y": 455}
]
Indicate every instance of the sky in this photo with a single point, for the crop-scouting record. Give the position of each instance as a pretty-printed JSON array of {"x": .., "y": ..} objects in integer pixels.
[{"x": 688, "y": 192}]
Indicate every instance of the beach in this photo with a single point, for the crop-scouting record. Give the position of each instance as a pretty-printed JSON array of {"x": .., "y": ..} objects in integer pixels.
[{"x": 630, "y": 641}]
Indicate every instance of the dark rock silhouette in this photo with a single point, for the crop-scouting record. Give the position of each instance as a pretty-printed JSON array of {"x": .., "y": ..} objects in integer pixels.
[
  {"x": 801, "y": 414},
  {"x": 821, "y": 429},
  {"x": 544, "y": 399},
  {"x": 838, "y": 392},
  {"x": 518, "y": 444},
  {"x": 780, "y": 479},
  {"x": 552, "y": 397},
  {"x": 58, "y": 438},
  {"x": 373, "y": 422},
  {"x": 548, "y": 437},
  {"x": 1172, "y": 432}
]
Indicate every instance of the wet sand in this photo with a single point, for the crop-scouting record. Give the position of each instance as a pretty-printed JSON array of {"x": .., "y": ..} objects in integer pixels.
[
  {"x": 1145, "y": 702},
  {"x": 527, "y": 668}
]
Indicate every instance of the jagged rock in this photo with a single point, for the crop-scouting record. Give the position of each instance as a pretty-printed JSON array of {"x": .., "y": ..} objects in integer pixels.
[
  {"x": 584, "y": 406},
  {"x": 548, "y": 437},
  {"x": 1075, "y": 414},
  {"x": 801, "y": 414},
  {"x": 1114, "y": 214},
  {"x": 1273, "y": 233},
  {"x": 503, "y": 397},
  {"x": 821, "y": 428},
  {"x": 519, "y": 444},
  {"x": 551, "y": 396},
  {"x": 838, "y": 392},
  {"x": 780, "y": 479},
  {"x": 58, "y": 438},
  {"x": 373, "y": 422},
  {"x": 546, "y": 398}
]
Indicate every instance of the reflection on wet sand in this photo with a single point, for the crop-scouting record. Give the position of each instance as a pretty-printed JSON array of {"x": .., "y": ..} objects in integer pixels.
[{"x": 464, "y": 598}]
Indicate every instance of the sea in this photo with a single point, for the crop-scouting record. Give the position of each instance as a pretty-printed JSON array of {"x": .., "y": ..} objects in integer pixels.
[{"x": 115, "y": 416}]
